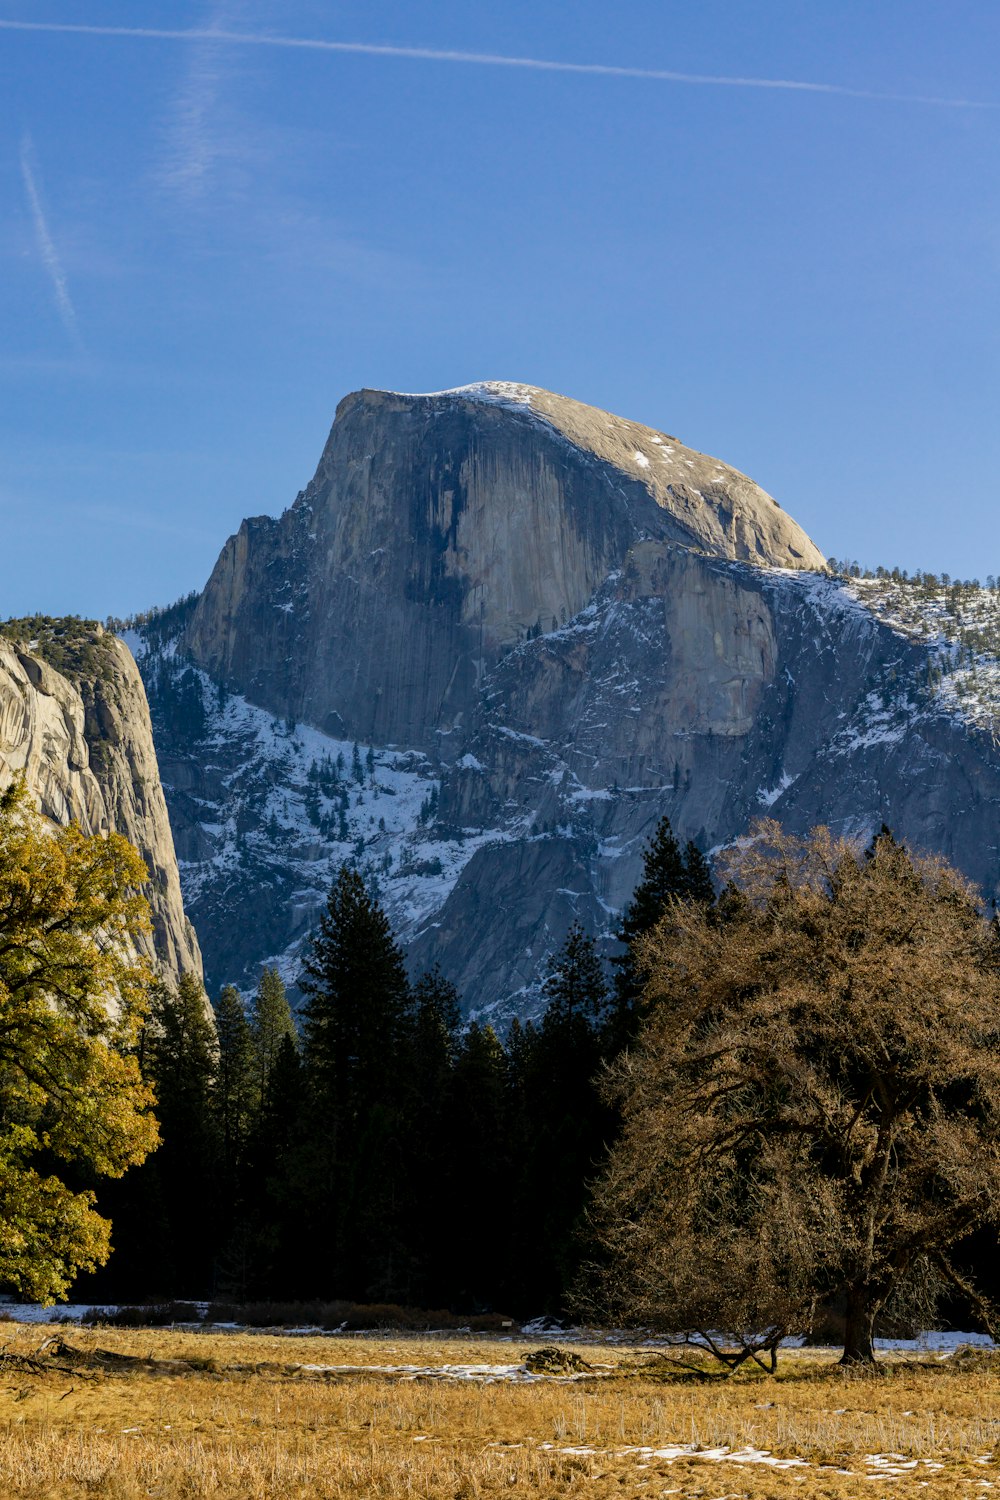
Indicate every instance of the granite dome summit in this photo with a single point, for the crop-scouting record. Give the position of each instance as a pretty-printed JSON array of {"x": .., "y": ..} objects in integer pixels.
[
  {"x": 438, "y": 532},
  {"x": 498, "y": 636}
]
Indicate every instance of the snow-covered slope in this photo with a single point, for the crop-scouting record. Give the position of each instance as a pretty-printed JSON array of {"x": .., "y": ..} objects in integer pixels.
[
  {"x": 708, "y": 690},
  {"x": 265, "y": 812}
]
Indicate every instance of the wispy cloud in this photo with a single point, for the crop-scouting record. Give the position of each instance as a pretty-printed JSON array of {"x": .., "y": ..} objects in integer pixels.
[
  {"x": 222, "y": 35},
  {"x": 47, "y": 251},
  {"x": 195, "y": 144}
]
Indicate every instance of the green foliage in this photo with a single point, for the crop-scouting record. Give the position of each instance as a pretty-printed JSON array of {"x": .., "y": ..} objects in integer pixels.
[
  {"x": 357, "y": 1018},
  {"x": 669, "y": 874},
  {"x": 180, "y": 1059},
  {"x": 576, "y": 989},
  {"x": 379, "y": 1162},
  {"x": 237, "y": 1087},
  {"x": 271, "y": 1026},
  {"x": 72, "y": 1000},
  {"x": 357, "y": 995},
  {"x": 162, "y": 623},
  {"x": 79, "y": 649}
]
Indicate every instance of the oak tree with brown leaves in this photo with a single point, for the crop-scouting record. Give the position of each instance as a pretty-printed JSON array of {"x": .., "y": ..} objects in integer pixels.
[{"x": 812, "y": 1110}]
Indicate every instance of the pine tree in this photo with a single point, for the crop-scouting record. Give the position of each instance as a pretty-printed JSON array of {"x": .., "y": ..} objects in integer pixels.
[
  {"x": 357, "y": 1020},
  {"x": 478, "y": 1262},
  {"x": 576, "y": 987},
  {"x": 568, "y": 1125},
  {"x": 357, "y": 995},
  {"x": 427, "y": 1138},
  {"x": 667, "y": 874},
  {"x": 276, "y": 1216},
  {"x": 234, "y": 1091},
  {"x": 437, "y": 1017},
  {"x": 180, "y": 1059},
  {"x": 271, "y": 1023}
]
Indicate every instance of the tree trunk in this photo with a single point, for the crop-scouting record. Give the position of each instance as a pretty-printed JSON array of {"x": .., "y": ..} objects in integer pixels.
[{"x": 858, "y": 1323}]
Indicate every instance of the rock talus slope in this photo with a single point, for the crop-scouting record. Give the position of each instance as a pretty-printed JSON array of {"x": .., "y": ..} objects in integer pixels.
[
  {"x": 500, "y": 635},
  {"x": 82, "y": 739}
]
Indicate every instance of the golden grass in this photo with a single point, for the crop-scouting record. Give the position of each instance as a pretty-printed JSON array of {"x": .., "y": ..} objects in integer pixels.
[{"x": 278, "y": 1433}]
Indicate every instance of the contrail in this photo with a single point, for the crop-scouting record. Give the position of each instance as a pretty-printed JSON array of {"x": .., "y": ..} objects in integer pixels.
[
  {"x": 490, "y": 60},
  {"x": 46, "y": 246}
]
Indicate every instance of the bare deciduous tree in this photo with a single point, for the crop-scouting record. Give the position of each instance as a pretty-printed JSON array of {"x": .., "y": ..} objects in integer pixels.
[{"x": 813, "y": 1107}]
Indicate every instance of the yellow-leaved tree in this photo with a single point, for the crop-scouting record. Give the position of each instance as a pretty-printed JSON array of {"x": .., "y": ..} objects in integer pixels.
[{"x": 72, "y": 1000}]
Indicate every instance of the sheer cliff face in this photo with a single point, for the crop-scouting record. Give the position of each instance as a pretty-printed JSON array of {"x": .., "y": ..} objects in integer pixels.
[
  {"x": 553, "y": 627},
  {"x": 438, "y": 532},
  {"x": 84, "y": 744}
]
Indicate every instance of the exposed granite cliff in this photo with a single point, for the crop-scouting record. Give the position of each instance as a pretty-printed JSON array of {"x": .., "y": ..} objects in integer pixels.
[
  {"x": 551, "y": 627},
  {"x": 438, "y": 532},
  {"x": 82, "y": 737}
]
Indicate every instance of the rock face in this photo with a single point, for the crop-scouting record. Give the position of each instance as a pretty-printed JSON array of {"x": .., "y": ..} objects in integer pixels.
[
  {"x": 82, "y": 738},
  {"x": 438, "y": 532},
  {"x": 546, "y": 627}
]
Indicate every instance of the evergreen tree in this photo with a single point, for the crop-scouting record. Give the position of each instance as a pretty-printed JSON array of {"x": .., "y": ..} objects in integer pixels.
[
  {"x": 276, "y": 1216},
  {"x": 668, "y": 874},
  {"x": 357, "y": 1024},
  {"x": 568, "y": 1126},
  {"x": 234, "y": 1105},
  {"x": 576, "y": 989},
  {"x": 271, "y": 1024},
  {"x": 433, "y": 1047},
  {"x": 179, "y": 1057},
  {"x": 357, "y": 997},
  {"x": 479, "y": 1265},
  {"x": 234, "y": 1090}
]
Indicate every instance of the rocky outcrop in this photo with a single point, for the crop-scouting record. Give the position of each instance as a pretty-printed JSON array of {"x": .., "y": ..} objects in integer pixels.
[
  {"x": 438, "y": 532},
  {"x": 82, "y": 738}
]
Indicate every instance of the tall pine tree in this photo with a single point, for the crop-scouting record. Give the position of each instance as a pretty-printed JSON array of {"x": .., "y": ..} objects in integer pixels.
[
  {"x": 167, "y": 1223},
  {"x": 271, "y": 1022},
  {"x": 357, "y": 1027},
  {"x": 478, "y": 1250},
  {"x": 568, "y": 1124},
  {"x": 234, "y": 1095},
  {"x": 668, "y": 873},
  {"x": 433, "y": 1048}
]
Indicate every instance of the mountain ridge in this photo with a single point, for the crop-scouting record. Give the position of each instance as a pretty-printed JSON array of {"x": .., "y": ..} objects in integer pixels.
[{"x": 536, "y": 662}]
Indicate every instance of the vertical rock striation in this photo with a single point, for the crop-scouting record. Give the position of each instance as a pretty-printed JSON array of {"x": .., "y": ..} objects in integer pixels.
[
  {"x": 82, "y": 738},
  {"x": 437, "y": 533}
]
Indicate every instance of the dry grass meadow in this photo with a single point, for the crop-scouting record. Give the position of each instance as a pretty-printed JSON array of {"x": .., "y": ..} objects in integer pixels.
[{"x": 235, "y": 1416}]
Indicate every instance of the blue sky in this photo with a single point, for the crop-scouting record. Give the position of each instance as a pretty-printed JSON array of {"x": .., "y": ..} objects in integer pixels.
[{"x": 205, "y": 244}]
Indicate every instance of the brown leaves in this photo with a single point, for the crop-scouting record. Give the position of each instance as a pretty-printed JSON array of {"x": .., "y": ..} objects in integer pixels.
[{"x": 815, "y": 1099}]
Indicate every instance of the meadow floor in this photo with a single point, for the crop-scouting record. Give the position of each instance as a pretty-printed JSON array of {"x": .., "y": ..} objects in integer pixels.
[{"x": 237, "y": 1416}]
